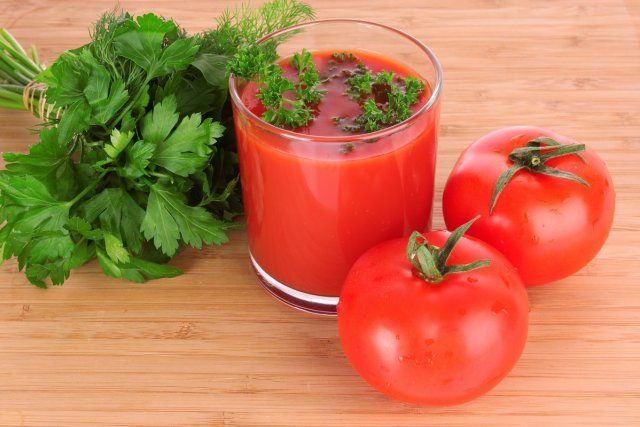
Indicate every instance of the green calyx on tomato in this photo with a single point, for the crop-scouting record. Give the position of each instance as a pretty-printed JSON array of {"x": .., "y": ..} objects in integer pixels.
[
  {"x": 430, "y": 262},
  {"x": 532, "y": 157}
]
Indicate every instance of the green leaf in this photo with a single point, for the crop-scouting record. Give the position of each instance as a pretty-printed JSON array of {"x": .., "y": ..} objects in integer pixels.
[
  {"x": 42, "y": 229},
  {"x": 96, "y": 86},
  {"x": 132, "y": 275},
  {"x": 66, "y": 79},
  {"x": 25, "y": 191},
  {"x": 48, "y": 162},
  {"x": 36, "y": 274},
  {"x": 198, "y": 96},
  {"x": 90, "y": 93},
  {"x": 217, "y": 129},
  {"x": 118, "y": 95},
  {"x": 138, "y": 158},
  {"x": 108, "y": 267},
  {"x": 188, "y": 148},
  {"x": 136, "y": 270},
  {"x": 36, "y": 232},
  {"x": 82, "y": 227},
  {"x": 55, "y": 216},
  {"x": 76, "y": 119},
  {"x": 152, "y": 270},
  {"x": 82, "y": 253},
  {"x": 119, "y": 142},
  {"x": 213, "y": 68},
  {"x": 168, "y": 218},
  {"x": 115, "y": 249},
  {"x": 119, "y": 214},
  {"x": 177, "y": 56},
  {"x": 143, "y": 45},
  {"x": 157, "y": 124}
]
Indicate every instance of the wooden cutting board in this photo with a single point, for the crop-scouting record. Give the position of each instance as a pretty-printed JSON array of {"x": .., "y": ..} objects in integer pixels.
[{"x": 212, "y": 348}]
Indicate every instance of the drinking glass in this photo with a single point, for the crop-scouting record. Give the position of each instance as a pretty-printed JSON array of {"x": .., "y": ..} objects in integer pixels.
[{"x": 314, "y": 204}]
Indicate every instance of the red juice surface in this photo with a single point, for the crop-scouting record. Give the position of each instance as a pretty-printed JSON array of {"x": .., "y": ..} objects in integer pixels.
[{"x": 313, "y": 207}]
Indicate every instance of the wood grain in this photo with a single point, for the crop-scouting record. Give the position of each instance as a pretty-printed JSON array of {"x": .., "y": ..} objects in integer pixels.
[{"x": 212, "y": 348}]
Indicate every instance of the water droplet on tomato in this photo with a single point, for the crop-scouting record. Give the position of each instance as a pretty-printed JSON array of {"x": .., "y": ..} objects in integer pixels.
[{"x": 429, "y": 358}]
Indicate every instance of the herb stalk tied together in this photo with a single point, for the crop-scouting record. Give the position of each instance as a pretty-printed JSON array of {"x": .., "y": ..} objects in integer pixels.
[{"x": 18, "y": 70}]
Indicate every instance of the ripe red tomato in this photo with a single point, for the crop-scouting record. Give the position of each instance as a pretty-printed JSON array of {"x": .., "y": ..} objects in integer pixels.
[
  {"x": 548, "y": 227},
  {"x": 433, "y": 343}
]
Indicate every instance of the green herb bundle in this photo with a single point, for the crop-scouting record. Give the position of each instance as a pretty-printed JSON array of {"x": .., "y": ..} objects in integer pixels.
[{"x": 139, "y": 158}]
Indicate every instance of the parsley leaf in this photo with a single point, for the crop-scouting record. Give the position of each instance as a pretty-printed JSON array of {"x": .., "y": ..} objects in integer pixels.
[
  {"x": 385, "y": 99},
  {"x": 281, "y": 109},
  {"x": 34, "y": 231},
  {"x": 168, "y": 218},
  {"x": 136, "y": 269},
  {"x": 138, "y": 158},
  {"x": 49, "y": 162},
  {"x": 119, "y": 141},
  {"x": 182, "y": 150},
  {"x": 143, "y": 44},
  {"x": 117, "y": 213}
]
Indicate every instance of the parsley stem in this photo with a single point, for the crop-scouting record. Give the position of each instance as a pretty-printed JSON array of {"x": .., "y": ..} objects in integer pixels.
[
  {"x": 11, "y": 105},
  {"x": 12, "y": 45},
  {"x": 86, "y": 190},
  {"x": 9, "y": 94},
  {"x": 133, "y": 100}
]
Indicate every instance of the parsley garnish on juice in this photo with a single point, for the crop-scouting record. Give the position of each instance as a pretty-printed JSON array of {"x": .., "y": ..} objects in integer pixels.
[{"x": 309, "y": 91}]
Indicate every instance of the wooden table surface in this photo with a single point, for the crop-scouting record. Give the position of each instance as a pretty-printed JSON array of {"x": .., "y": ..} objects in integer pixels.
[{"x": 212, "y": 348}]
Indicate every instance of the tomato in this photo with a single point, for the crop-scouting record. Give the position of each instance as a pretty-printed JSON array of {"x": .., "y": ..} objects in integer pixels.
[
  {"x": 433, "y": 342},
  {"x": 549, "y": 227}
]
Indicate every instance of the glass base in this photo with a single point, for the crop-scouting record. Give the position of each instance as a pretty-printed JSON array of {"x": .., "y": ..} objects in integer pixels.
[{"x": 316, "y": 304}]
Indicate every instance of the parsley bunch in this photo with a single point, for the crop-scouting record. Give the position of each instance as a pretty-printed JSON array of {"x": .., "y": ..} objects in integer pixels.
[{"x": 140, "y": 161}]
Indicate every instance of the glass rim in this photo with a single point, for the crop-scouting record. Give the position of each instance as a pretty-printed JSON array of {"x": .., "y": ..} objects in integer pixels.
[{"x": 364, "y": 137}]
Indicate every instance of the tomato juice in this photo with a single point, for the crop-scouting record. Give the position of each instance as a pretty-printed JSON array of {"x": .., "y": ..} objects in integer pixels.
[{"x": 318, "y": 197}]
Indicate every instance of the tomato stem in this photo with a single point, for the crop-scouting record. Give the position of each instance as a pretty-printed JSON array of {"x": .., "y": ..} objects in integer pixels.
[
  {"x": 532, "y": 157},
  {"x": 430, "y": 262}
]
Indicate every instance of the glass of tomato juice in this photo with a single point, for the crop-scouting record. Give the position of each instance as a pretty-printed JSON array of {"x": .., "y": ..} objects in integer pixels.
[{"x": 317, "y": 198}]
